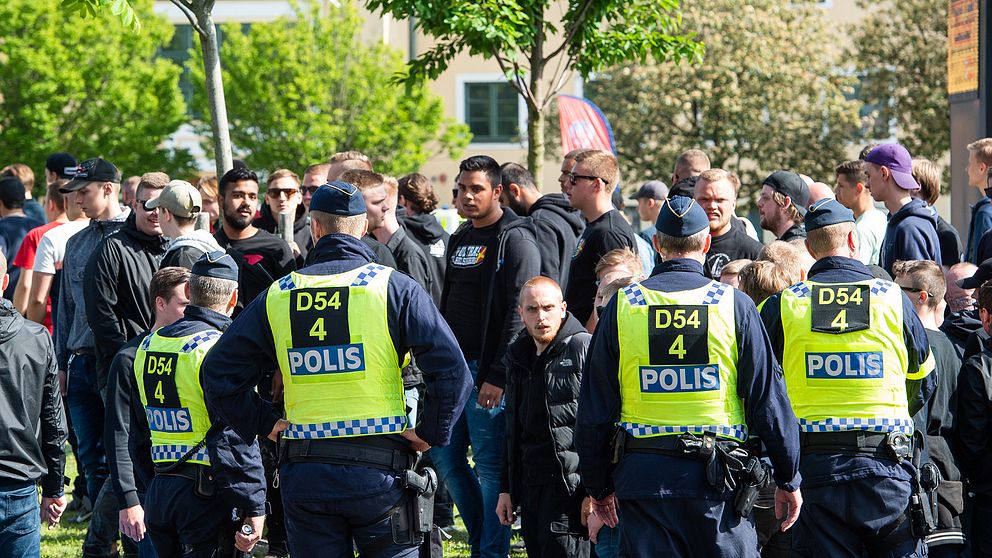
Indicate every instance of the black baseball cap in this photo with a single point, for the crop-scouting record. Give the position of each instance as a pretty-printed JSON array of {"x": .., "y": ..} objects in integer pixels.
[
  {"x": 62, "y": 164},
  {"x": 92, "y": 170},
  {"x": 792, "y": 185},
  {"x": 983, "y": 274}
]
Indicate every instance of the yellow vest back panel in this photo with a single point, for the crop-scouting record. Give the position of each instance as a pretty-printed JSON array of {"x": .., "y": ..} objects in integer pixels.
[
  {"x": 339, "y": 366},
  {"x": 678, "y": 362}
]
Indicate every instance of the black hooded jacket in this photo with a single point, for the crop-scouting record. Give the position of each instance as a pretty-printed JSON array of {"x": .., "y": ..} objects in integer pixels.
[
  {"x": 424, "y": 230},
  {"x": 116, "y": 283},
  {"x": 544, "y": 386},
  {"x": 959, "y": 328},
  {"x": 32, "y": 421},
  {"x": 557, "y": 219}
]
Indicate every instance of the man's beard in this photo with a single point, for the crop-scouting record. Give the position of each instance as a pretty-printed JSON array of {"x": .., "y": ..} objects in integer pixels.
[
  {"x": 238, "y": 222},
  {"x": 547, "y": 338}
]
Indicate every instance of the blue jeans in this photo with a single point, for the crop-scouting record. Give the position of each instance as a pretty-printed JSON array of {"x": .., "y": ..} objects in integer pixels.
[
  {"x": 609, "y": 542},
  {"x": 87, "y": 410},
  {"x": 476, "y": 492},
  {"x": 329, "y": 506},
  {"x": 20, "y": 522}
]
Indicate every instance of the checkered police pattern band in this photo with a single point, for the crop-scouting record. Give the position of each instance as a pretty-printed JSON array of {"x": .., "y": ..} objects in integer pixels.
[
  {"x": 880, "y": 287},
  {"x": 738, "y": 431},
  {"x": 872, "y": 424},
  {"x": 176, "y": 452},
  {"x": 800, "y": 290},
  {"x": 287, "y": 283},
  {"x": 202, "y": 337},
  {"x": 715, "y": 293},
  {"x": 362, "y": 427},
  {"x": 634, "y": 295},
  {"x": 146, "y": 343},
  {"x": 366, "y": 275}
]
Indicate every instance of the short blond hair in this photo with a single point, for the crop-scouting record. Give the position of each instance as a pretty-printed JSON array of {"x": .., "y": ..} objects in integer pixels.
[
  {"x": 342, "y": 156},
  {"x": 364, "y": 180},
  {"x": 761, "y": 279},
  {"x": 924, "y": 275},
  {"x": 716, "y": 175},
  {"x": 734, "y": 267},
  {"x": 787, "y": 255},
  {"x": 982, "y": 150},
  {"x": 927, "y": 174},
  {"x": 208, "y": 185},
  {"x": 319, "y": 169},
  {"x": 152, "y": 181},
  {"x": 620, "y": 256},
  {"x": 691, "y": 163},
  {"x": 392, "y": 185},
  {"x": 282, "y": 173},
  {"x": 602, "y": 164},
  {"x": 828, "y": 238}
]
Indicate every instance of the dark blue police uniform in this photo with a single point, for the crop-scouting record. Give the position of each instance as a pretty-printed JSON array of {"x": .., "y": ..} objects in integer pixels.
[
  {"x": 666, "y": 505},
  {"x": 328, "y": 505},
  {"x": 855, "y": 505}
]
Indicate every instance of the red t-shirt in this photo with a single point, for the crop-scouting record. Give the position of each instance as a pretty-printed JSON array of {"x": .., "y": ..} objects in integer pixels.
[{"x": 25, "y": 259}]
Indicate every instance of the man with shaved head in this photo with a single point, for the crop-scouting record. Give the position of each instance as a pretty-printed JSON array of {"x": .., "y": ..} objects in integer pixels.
[{"x": 541, "y": 473}]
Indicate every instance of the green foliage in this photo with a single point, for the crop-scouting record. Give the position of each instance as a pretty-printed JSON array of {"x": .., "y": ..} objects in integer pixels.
[
  {"x": 595, "y": 33},
  {"x": 768, "y": 95},
  {"x": 901, "y": 50},
  {"x": 119, "y": 8},
  {"x": 300, "y": 90},
  {"x": 86, "y": 87}
]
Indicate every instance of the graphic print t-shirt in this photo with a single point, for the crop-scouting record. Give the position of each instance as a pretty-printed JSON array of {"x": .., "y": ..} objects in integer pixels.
[{"x": 463, "y": 311}]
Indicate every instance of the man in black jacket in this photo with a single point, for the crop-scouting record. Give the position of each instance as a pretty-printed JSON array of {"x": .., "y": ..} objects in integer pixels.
[
  {"x": 974, "y": 429},
  {"x": 167, "y": 290},
  {"x": 489, "y": 261},
  {"x": 559, "y": 224},
  {"x": 417, "y": 197},
  {"x": 282, "y": 193},
  {"x": 33, "y": 429},
  {"x": 540, "y": 468},
  {"x": 118, "y": 274}
]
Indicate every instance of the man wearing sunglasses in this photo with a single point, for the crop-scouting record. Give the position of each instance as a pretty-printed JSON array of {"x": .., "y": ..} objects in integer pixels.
[
  {"x": 283, "y": 193},
  {"x": 589, "y": 189}
]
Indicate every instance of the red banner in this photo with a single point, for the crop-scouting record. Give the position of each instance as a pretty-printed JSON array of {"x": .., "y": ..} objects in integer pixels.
[{"x": 583, "y": 125}]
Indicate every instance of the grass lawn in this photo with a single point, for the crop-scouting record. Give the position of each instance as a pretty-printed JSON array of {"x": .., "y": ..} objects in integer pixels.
[{"x": 66, "y": 541}]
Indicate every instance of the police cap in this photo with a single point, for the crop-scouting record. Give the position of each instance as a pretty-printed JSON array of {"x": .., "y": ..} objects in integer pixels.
[
  {"x": 827, "y": 212},
  {"x": 338, "y": 198},
  {"x": 216, "y": 264},
  {"x": 681, "y": 217}
]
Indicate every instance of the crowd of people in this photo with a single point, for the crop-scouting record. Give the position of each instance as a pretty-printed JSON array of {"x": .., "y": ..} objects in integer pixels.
[{"x": 310, "y": 359}]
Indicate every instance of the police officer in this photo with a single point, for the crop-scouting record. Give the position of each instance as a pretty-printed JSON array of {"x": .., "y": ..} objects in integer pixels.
[
  {"x": 338, "y": 331},
  {"x": 682, "y": 365},
  {"x": 185, "y": 513},
  {"x": 857, "y": 366}
]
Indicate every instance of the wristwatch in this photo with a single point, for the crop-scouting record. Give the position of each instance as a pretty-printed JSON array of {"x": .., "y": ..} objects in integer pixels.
[{"x": 247, "y": 530}]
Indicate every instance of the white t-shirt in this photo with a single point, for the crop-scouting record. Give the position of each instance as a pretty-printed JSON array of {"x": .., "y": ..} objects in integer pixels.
[
  {"x": 51, "y": 249},
  {"x": 871, "y": 231}
]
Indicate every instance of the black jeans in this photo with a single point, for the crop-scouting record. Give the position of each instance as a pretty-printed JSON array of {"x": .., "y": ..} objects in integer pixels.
[{"x": 549, "y": 522}]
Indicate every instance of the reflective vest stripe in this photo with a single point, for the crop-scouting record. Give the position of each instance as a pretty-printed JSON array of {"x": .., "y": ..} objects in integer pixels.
[
  {"x": 175, "y": 452},
  {"x": 364, "y": 427},
  {"x": 737, "y": 431}
]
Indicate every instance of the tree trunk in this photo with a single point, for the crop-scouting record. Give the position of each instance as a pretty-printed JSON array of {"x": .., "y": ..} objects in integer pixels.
[
  {"x": 535, "y": 112},
  {"x": 215, "y": 93}
]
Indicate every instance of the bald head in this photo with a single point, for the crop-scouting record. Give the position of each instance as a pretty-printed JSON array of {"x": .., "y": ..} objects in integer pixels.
[
  {"x": 819, "y": 191},
  {"x": 959, "y": 299}
]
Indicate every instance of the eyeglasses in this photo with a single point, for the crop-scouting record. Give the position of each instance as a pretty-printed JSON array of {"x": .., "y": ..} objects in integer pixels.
[
  {"x": 309, "y": 189},
  {"x": 276, "y": 193},
  {"x": 572, "y": 177},
  {"x": 144, "y": 205},
  {"x": 915, "y": 290}
]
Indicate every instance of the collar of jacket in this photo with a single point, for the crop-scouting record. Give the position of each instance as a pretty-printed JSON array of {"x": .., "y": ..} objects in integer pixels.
[{"x": 337, "y": 247}]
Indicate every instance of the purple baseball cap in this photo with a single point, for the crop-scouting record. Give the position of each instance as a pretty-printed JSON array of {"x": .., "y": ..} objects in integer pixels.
[{"x": 897, "y": 159}]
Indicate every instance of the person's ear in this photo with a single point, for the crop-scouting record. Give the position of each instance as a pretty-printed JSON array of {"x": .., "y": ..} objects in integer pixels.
[
  {"x": 655, "y": 243},
  {"x": 232, "y": 302},
  {"x": 6, "y": 281},
  {"x": 186, "y": 290},
  {"x": 514, "y": 190},
  {"x": 709, "y": 242},
  {"x": 808, "y": 249}
]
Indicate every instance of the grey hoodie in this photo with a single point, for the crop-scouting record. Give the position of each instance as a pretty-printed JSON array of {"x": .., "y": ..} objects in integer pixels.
[
  {"x": 184, "y": 250},
  {"x": 72, "y": 332}
]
